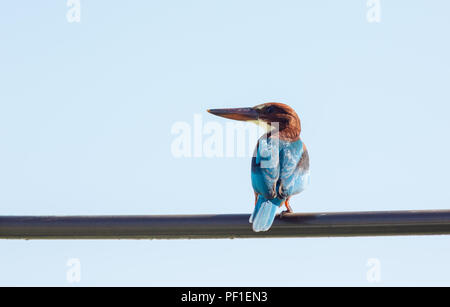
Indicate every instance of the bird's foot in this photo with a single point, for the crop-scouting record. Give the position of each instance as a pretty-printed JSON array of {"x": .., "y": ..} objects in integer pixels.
[{"x": 285, "y": 212}]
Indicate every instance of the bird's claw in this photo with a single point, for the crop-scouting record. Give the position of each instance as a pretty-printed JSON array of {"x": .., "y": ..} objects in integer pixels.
[{"x": 283, "y": 213}]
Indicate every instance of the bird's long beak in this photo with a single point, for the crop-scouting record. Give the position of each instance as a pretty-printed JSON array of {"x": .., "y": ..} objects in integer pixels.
[{"x": 242, "y": 114}]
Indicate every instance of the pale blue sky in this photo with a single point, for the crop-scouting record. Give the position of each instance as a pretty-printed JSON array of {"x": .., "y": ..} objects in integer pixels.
[{"x": 86, "y": 111}]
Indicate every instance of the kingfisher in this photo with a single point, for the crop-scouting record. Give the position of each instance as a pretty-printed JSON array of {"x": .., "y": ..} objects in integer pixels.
[{"x": 280, "y": 162}]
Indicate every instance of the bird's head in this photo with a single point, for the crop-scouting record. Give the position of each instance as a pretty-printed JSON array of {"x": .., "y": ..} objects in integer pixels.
[{"x": 267, "y": 114}]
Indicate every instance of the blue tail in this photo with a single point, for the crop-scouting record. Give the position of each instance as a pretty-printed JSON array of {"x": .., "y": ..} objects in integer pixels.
[{"x": 264, "y": 214}]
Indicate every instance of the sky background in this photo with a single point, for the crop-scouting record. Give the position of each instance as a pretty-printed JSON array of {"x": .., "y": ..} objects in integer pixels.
[{"x": 86, "y": 111}]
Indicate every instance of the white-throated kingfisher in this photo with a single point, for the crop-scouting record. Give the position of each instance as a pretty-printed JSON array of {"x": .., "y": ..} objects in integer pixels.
[{"x": 280, "y": 163}]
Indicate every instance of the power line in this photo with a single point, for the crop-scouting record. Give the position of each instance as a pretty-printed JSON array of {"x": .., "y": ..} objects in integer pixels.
[{"x": 338, "y": 224}]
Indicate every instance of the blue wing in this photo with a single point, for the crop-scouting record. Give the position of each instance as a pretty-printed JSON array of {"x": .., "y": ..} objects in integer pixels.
[
  {"x": 265, "y": 177},
  {"x": 279, "y": 169},
  {"x": 266, "y": 168},
  {"x": 294, "y": 169}
]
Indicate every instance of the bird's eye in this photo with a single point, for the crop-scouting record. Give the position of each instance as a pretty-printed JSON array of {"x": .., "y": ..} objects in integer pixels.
[{"x": 270, "y": 109}]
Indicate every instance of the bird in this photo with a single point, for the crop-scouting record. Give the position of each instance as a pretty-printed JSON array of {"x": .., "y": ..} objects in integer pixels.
[{"x": 280, "y": 162}]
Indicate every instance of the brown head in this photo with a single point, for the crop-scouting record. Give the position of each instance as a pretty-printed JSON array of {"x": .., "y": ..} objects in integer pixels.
[{"x": 284, "y": 116}]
